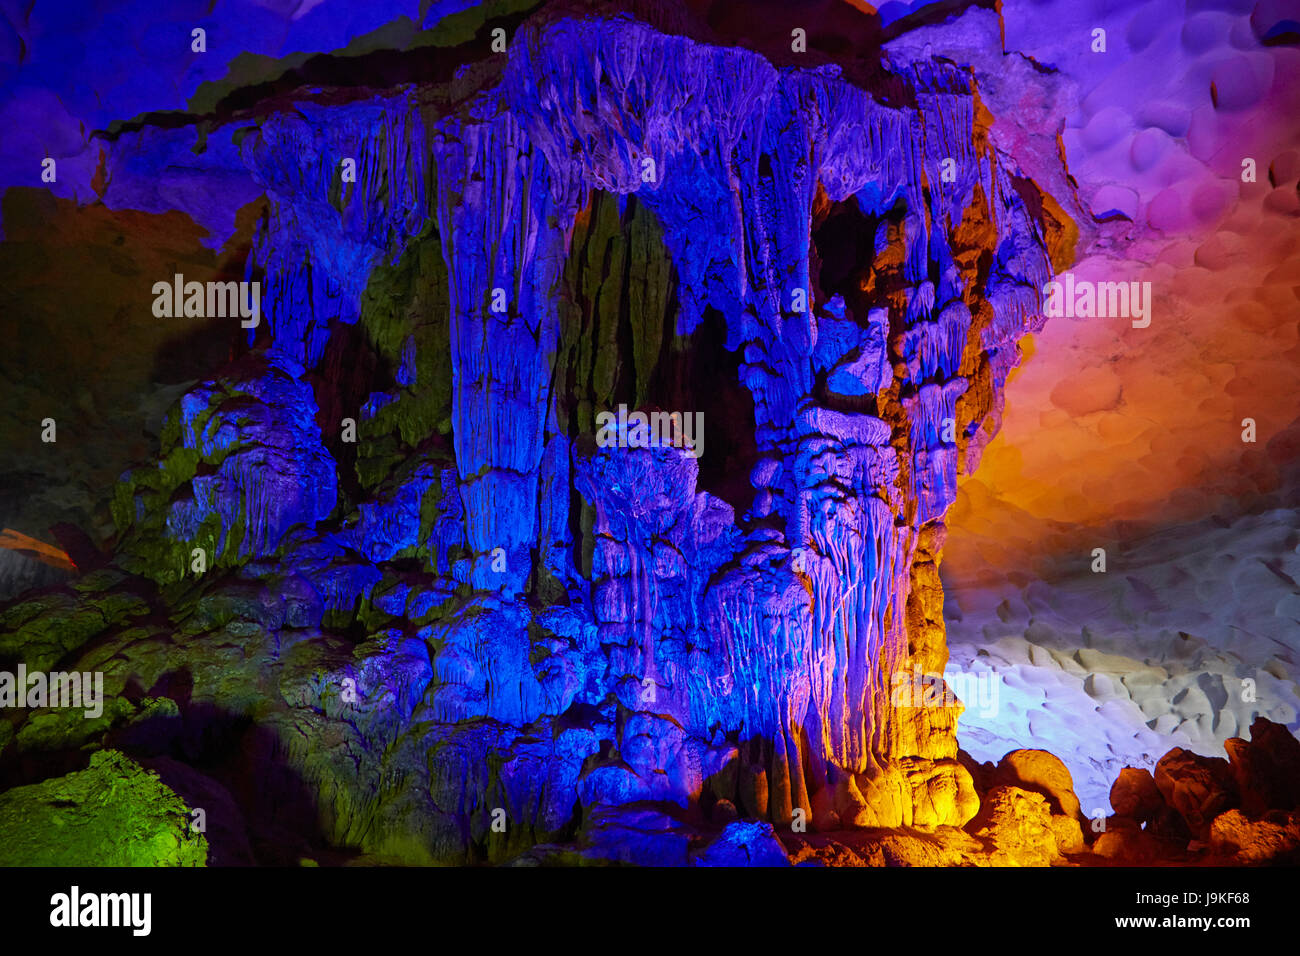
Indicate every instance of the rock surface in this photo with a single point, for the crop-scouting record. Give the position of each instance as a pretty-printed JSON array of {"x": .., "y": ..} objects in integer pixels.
[
  {"x": 1135, "y": 795},
  {"x": 386, "y": 593},
  {"x": 113, "y": 813}
]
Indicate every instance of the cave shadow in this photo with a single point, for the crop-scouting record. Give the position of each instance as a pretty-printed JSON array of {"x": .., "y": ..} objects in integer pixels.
[{"x": 258, "y": 811}]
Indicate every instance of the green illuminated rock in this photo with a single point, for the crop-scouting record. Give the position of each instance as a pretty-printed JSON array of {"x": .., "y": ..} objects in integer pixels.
[{"x": 113, "y": 813}]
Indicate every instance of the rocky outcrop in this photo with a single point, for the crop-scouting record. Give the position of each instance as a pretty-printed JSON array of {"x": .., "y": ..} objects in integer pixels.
[
  {"x": 1197, "y": 788},
  {"x": 1241, "y": 810},
  {"x": 70, "y": 820},
  {"x": 1136, "y": 796},
  {"x": 1266, "y": 768},
  {"x": 1018, "y": 825},
  {"x": 243, "y": 462},
  {"x": 1040, "y": 772},
  {"x": 491, "y": 623},
  {"x": 1273, "y": 839}
]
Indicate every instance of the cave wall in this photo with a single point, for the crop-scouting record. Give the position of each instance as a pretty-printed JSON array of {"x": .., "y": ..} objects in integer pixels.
[
  {"x": 751, "y": 654},
  {"x": 477, "y": 605}
]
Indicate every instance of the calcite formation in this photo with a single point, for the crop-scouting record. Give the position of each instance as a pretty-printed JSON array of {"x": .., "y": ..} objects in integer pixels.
[{"x": 384, "y": 571}]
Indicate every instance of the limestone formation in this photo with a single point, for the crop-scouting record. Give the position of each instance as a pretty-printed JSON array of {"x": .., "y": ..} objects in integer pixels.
[{"x": 387, "y": 587}]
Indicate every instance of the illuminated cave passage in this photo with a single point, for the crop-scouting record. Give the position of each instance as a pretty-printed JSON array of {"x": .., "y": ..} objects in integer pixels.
[{"x": 380, "y": 583}]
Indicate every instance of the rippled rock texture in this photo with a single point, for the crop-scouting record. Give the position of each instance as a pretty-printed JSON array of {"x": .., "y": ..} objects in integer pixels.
[{"x": 389, "y": 589}]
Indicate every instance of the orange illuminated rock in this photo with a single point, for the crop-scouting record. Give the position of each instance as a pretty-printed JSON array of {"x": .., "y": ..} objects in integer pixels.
[
  {"x": 1267, "y": 768},
  {"x": 1135, "y": 795},
  {"x": 1017, "y": 824},
  {"x": 1198, "y": 788},
  {"x": 1275, "y": 838},
  {"x": 1125, "y": 842},
  {"x": 1041, "y": 772},
  {"x": 1068, "y": 833},
  {"x": 943, "y": 846}
]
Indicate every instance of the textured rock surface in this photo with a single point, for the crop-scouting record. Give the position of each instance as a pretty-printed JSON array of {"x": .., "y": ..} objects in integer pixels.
[
  {"x": 1241, "y": 811},
  {"x": 1018, "y": 825},
  {"x": 1197, "y": 788},
  {"x": 113, "y": 813},
  {"x": 1266, "y": 768},
  {"x": 744, "y": 844},
  {"x": 1131, "y": 438},
  {"x": 1184, "y": 646},
  {"x": 1135, "y": 795},
  {"x": 1040, "y": 772},
  {"x": 1274, "y": 839},
  {"x": 534, "y": 623}
]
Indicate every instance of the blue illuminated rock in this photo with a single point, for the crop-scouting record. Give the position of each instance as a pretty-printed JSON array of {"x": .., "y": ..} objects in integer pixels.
[{"x": 492, "y": 631}]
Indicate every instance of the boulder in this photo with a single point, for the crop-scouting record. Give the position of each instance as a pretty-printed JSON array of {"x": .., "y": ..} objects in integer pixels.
[
  {"x": 1273, "y": 839},
  {"x": 724, "y": 811},
  {"x": 1267, "y": 768},
  {"x": 635, "y": 834},
  {"x": 1135, "y": 795},
  {"x": 744, "y": 844},
  {"x": 1197, "y": 788},
  {"x": 1068, "y": 833},
  {"x": 1017, "y": 824},
  {"x": 113, "y": 813},
  {"x": 1124, "y": 841},
  {"x": 1040, "y": 772}
]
